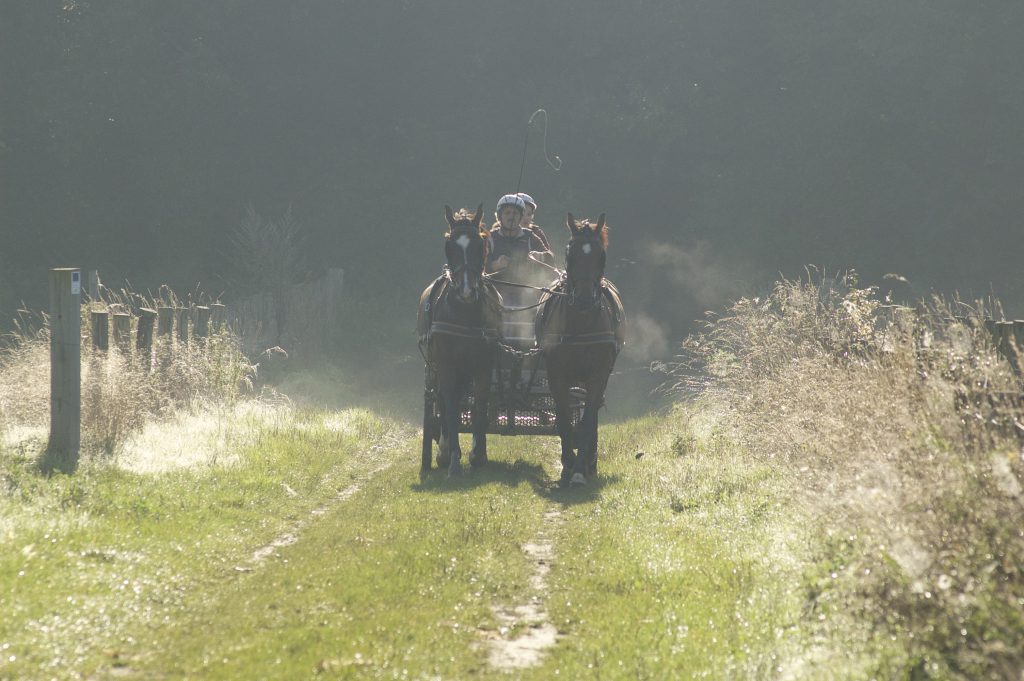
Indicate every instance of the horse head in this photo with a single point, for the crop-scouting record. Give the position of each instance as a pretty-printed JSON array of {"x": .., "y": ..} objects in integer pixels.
[
  {"x": 585, "y": 261},
  {"x": 465, "y": 247}
]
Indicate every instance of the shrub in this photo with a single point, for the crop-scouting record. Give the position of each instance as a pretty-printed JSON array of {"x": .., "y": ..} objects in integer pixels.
[
  {"x": 893, "y": 425},
  {"x": 121, "y": 390}
]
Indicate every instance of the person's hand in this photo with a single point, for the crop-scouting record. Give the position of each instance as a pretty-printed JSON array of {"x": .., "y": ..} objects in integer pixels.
[{"x": 501, "y": 262}]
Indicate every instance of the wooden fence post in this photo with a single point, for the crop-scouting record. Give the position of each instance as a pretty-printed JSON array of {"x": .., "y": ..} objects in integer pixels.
[
  {"x": 165, "y": 321},
  {"x": 164, "y": 328},
  {"x": 65, "y": 370},
  {"x": 1006, "y": 344},
  {"x": 202, "y": 327},
  {"x": 218, "y": 314},
  {"x": 144, "y": 336},
  {"x": 123, "y": 332},
  {"x": 100, "y": 330},
  {"x": 183, "y": 315},
  {"x": 993, "y": 331}
]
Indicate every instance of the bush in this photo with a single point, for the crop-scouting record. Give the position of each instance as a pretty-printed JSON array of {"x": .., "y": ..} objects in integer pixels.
[
  {"x": 893, "y": 425},
  {"x": 121, "y": 390}
]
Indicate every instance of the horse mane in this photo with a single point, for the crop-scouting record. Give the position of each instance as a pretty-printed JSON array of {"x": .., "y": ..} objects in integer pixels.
[
  {"x": 592, "y": 227},
  {"x": 465, "y": 221}
]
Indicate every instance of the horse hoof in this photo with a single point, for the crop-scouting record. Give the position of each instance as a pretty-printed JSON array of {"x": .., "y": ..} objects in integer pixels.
[
  {"x": 424, "y": 474},
  {"x": 577, "y": 479},
  {"x": 477, "y": 461},
  {"x": 443, "y": 460},
  {"x": 454, "y": 472}
]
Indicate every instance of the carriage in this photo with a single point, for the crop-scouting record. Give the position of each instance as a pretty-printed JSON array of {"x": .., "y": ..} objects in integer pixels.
[
  {"x": 471, "y": 335},
  {"x": 520, "y": 400}
]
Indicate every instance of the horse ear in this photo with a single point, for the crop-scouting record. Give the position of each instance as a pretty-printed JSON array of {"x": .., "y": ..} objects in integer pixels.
[
  {"x": 448, "y": 215},
  {"x": 570, "y": 222},
  {"x": 600, "y": 223},
  {"x": 480, "y": 216}
]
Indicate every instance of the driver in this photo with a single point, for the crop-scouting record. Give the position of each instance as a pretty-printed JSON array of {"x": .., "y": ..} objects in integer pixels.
[
  {"x": 512, "y": 243},
  {"x": 514, "y": 250}
]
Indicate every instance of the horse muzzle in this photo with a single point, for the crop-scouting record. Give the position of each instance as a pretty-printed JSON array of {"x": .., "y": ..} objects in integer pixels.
[{"x": 466, "y": 294}]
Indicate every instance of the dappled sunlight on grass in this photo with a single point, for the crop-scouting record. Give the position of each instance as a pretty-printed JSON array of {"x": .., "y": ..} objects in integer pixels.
[
  {"x": 207, "y": 438},
  {"x": 94, "y": 564},
  {"x": 24, "y": 437}
]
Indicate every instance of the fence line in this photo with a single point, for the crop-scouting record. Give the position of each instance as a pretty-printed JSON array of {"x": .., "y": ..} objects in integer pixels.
[
  {"x": 300, "y": 317},
  {"x": 976, "y": 403}
]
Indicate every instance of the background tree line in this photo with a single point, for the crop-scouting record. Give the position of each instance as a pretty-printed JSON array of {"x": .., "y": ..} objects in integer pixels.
[{"x": 728, "y": 141}]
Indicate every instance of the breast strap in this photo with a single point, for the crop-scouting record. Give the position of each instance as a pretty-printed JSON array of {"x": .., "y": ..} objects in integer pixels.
[{"x": 450, "y": 329}]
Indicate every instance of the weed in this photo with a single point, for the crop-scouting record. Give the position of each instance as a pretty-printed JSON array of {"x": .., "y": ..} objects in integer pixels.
[
  {"x": 891, "y": 423},
  {"x": 122, "y": 388}
]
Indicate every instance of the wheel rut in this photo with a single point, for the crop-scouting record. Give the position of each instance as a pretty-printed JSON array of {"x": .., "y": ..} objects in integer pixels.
[
  {"x": 525, "y": 630},
  {"x": 291, "y": 536}
]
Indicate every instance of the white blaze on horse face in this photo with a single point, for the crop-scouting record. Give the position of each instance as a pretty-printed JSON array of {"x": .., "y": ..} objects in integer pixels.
[
  {"x": 463, "y": 241},
  {"x": 586, "y": 249}
]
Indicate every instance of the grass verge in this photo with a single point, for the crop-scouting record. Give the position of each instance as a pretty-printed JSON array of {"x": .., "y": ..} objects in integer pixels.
[{"x": 92, "y": 565}]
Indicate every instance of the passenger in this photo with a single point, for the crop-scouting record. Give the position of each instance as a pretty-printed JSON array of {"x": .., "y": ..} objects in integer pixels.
[{"x": 527, "y": 221}]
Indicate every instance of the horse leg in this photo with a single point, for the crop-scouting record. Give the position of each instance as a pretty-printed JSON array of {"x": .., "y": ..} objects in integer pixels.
[
  {"x": 586, "y": 463},
  {"x": 586, "y": 440},
  {"x": 428, "y": 434},
  {"x": 559, "y": 385},
  {"x": 444, "y": 434},
  {"x": 443, "y": 457},
  {"x": 481, "y": 393},
  {"x": 596, "y": 385},
  {"x": 450, "y": 393}
]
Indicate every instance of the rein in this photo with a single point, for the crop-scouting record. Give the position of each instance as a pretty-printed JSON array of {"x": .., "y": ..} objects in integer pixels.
[{"x": 542, "y": 289}]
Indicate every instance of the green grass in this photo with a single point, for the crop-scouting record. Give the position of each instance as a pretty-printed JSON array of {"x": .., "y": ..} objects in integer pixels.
[
  {"x": 90, "y": 562},
  {"x": 687, "y": 562}
]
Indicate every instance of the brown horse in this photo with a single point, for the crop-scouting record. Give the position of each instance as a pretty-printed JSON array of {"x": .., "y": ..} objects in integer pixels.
[
  {"x": 581, "y": 328},
  {"x": 459, "y": 317}
]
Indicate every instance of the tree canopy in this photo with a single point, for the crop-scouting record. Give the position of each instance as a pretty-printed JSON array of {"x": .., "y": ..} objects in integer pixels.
[{"x": 727, "y": 141}]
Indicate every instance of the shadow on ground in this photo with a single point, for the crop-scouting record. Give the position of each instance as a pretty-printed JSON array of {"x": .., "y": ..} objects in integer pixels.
[
  {"x": 512, "y": 475},
  {"x": 493, "y": 473},
  {"x": 577, "y": 494}
]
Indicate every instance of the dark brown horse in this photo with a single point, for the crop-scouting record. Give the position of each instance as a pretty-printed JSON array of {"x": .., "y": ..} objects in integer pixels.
[
  {"x": 459, "y": 317},
  {"x": 581, "y": 328}
]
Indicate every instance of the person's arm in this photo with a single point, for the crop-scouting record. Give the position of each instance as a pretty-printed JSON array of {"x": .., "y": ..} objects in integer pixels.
[
  {"x": 539, "y": 247},
  {"x": 495, "y": 262},
  {"x": 542, "y": 236}
]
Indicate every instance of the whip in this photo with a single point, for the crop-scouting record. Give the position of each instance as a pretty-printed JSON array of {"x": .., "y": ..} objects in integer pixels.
[{"x": 556, "y": 165}]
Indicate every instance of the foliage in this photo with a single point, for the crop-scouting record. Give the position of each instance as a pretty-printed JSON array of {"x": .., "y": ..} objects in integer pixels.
[
  {"x": 891, "y": 422},
  {"x": 266, "y": 254},
  {"x": 132, "y": 134},
  {"x": 122, "y": 389}
]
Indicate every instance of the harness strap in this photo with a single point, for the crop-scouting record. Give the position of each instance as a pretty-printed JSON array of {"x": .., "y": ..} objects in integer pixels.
[
  {"x": 595, "y": 338},
  {"x": 450, "y": 329},
  {"x": 505, "y": 308}
]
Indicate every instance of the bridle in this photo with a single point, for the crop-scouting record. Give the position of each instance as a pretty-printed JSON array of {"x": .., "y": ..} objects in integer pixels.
[
  {"x": 572, "y": 283},
  {"x": 454, "y": 273}
]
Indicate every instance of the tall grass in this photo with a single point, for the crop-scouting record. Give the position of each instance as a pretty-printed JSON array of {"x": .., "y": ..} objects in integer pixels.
[
  {"x": 897, "y": 429},
  {"x": 122, "y": 388}
]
